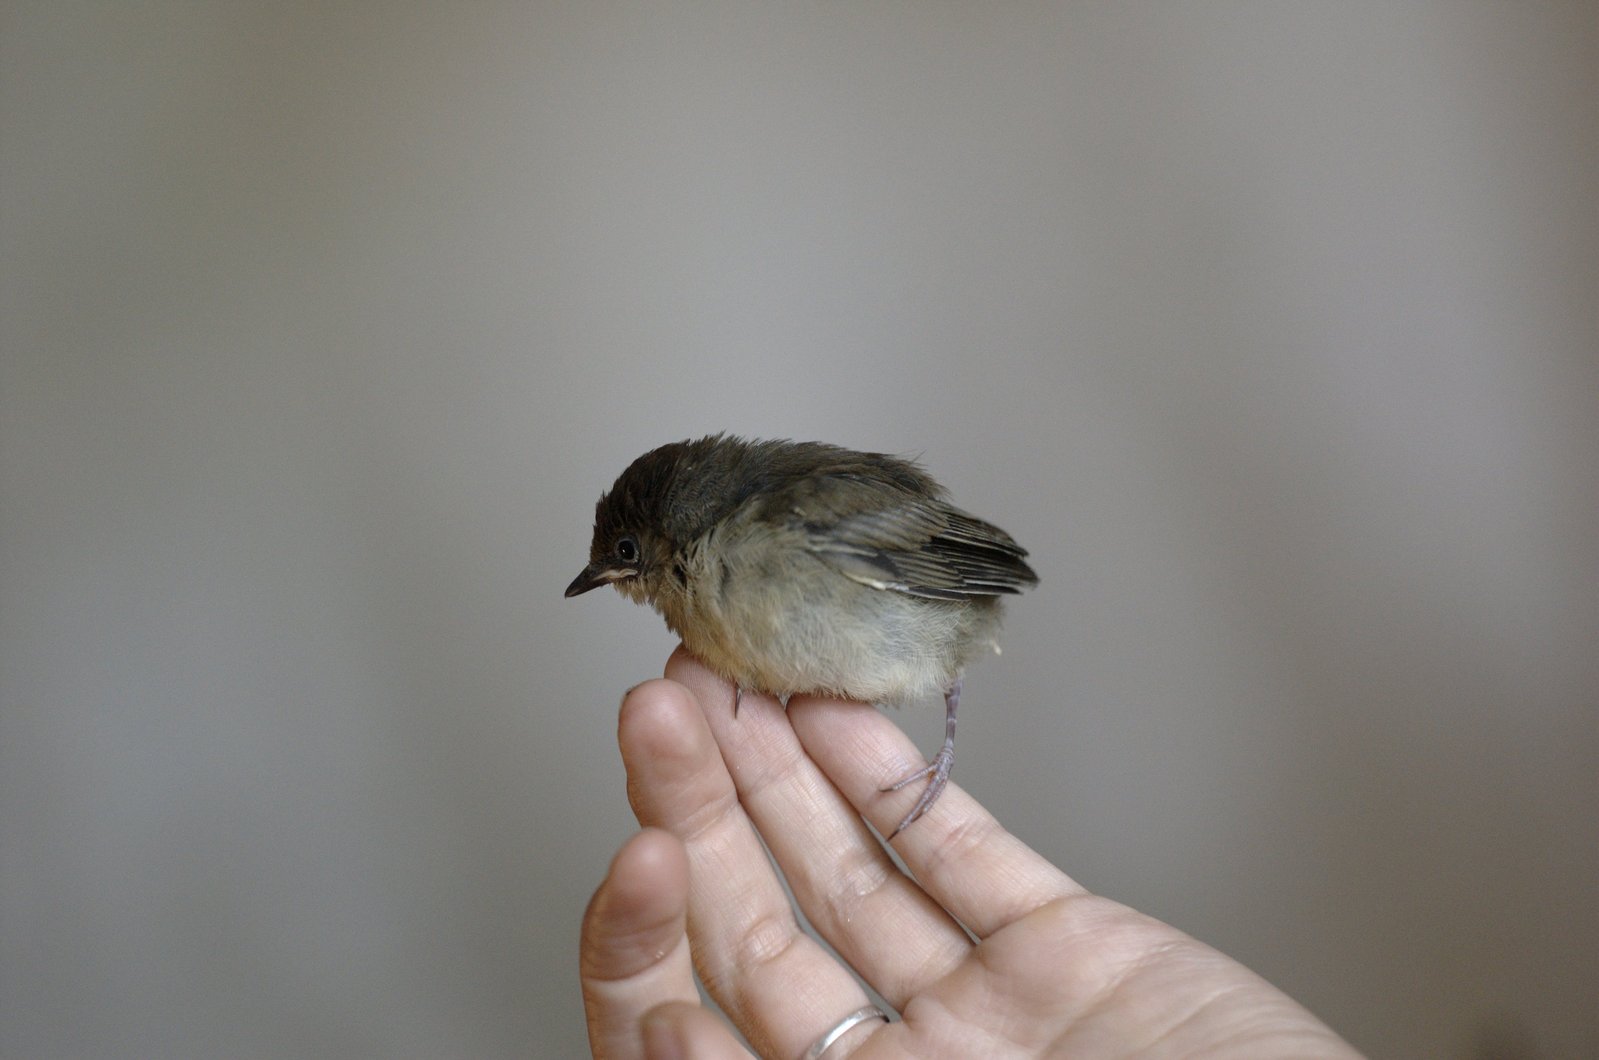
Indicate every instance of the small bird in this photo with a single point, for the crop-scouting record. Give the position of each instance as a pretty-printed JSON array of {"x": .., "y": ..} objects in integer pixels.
[{"x": 800, "y": 567}]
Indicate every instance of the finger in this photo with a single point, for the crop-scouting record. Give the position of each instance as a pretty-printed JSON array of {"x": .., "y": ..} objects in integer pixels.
[
  {"x": 634, "y": 950},
  {"x": 775, "y": 982},
  {"x": 877, "y": 919},
  {"x": 681, "y": 1031},
  {"x": 984, "y": 876}
]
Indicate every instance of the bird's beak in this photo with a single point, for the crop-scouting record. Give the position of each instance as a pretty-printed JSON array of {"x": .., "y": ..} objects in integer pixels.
[{"x": 592, "y": 577}]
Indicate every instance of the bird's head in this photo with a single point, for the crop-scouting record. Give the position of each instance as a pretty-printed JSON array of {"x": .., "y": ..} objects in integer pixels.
[{"x": 638, "y": 524}]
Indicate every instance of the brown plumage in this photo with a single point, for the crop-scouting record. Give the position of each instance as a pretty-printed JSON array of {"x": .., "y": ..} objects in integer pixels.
[{"x": 793, "y": 567}]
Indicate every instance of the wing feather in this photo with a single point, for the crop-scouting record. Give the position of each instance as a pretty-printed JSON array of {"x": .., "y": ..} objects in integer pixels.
[
  {"x": 923, "y": 548},
  {"x": 885, "y": 523}
]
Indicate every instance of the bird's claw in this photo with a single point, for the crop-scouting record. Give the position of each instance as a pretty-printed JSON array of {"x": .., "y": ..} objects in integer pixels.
[{"x": 936, "y": 773}]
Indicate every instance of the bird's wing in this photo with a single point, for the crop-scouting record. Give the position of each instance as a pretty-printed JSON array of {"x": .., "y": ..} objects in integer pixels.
[{"x": 922, "y": 547}]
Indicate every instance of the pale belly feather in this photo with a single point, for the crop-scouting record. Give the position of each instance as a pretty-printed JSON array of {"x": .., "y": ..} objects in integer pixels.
[{"x": 824, "y": 633}]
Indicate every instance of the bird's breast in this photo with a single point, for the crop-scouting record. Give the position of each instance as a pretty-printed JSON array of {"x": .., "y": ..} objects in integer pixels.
[{"x": 757, "y": 606}]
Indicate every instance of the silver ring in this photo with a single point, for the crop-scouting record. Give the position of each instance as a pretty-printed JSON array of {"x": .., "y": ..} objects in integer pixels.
[{"x": 860, "y": 1015}]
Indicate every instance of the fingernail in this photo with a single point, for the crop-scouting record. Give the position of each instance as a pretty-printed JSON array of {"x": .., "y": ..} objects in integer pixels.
[{"x": 662, "y": 1040}]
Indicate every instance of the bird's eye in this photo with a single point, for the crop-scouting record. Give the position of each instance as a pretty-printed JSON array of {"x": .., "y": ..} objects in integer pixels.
[{"x": 627, "y": 550}]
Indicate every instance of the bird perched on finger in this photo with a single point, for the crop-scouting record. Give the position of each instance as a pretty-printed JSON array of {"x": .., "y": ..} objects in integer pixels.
[{"x": 800, "y": 567}]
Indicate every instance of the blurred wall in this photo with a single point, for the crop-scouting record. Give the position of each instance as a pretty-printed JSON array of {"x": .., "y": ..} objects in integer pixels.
[{"x": 1269, "y": 328}]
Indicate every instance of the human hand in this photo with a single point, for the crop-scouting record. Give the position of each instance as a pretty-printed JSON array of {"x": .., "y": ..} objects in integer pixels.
[{"x": 986, "y": 950}]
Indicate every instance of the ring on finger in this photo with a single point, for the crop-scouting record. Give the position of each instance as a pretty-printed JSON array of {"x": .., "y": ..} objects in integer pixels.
[{"x": 838, "y": 1030}]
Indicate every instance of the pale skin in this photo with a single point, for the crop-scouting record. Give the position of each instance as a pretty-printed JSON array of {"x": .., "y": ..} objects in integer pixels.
[{"x": 1041, "y": 967}]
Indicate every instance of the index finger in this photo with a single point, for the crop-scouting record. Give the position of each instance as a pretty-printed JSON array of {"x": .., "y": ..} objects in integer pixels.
[{"x": 774, "y": 981}]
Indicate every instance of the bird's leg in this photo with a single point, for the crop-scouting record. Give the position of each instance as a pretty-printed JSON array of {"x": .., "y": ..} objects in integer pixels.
[
  {"x": 936, "y": 772},
  {"x": 738, "y": 697}
]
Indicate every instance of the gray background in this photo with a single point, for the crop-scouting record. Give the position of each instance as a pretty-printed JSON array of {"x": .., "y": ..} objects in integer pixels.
[{"x": 1269, "y": 328}]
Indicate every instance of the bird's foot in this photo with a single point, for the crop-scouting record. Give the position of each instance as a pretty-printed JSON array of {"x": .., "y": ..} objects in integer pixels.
[{"x": 936, "y": 773}]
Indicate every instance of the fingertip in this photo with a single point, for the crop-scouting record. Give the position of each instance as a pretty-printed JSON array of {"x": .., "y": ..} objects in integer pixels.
[
  {"x": 678, "y": 1030},
  {"x": 709, "y": 687},
  {"x": 638, "y": 912},
  {"x": 654, "y": 691},
  {"x": 651, "y": 869},
  {"x": 663, "y": 1032},
  {"x": 718, "y": 695},
  {"x": 659, "y": 717},
  {"x": 683, "y": 662},
  {"x": 670, "y": 755}
]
